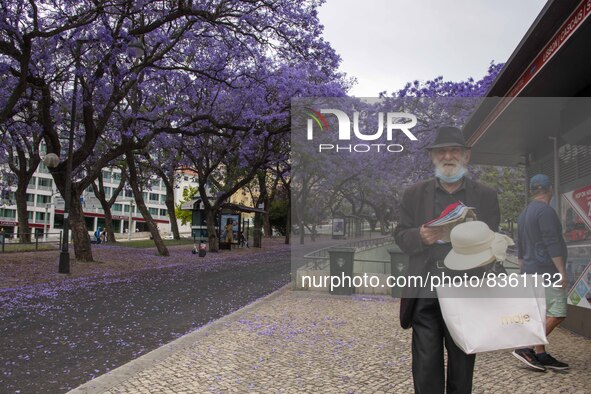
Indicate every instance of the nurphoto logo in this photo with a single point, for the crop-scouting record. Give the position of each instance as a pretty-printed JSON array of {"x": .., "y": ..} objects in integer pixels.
[{"x": 396, "y": 122}]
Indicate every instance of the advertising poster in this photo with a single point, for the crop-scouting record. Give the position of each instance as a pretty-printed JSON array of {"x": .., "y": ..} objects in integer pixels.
[
  {"x": 232, "y": 219},
  {"x": 576, "y": 210},
  {"x": 338, "y": 227}
]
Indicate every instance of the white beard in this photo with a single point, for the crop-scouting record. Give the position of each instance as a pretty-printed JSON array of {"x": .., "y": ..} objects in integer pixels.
[{"x": 449, "y": 171}]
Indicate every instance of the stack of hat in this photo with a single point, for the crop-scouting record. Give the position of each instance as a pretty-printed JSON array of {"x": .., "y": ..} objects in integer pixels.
[{"x": 475, "y": 245}]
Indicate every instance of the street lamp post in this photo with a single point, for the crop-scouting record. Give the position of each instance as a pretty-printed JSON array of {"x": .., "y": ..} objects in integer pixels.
[
  {"x": 52, "y": 160},
  {"x": 64, "y": 261},
  {"x": 46, "y": 224}
]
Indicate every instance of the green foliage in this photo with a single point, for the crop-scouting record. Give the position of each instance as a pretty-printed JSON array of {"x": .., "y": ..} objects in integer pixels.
[
  {"x": 278, "y": 215},
  {"x": 509, "y": 184},
  {"x": 186, "y": 216}
]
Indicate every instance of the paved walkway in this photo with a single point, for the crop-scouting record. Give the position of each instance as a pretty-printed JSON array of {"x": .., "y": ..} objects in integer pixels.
[{"x": 309, "y": 342}]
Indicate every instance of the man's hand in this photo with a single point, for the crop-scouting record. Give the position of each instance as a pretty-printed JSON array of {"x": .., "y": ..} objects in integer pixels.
[
  {"x": 429, "y": 235},
  {"x": 564, "y": 280},
  {"x": 560, "y": 266}
]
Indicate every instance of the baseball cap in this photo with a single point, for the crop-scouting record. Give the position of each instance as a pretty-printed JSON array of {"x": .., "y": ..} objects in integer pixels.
[{"x": 539, "y": 181}]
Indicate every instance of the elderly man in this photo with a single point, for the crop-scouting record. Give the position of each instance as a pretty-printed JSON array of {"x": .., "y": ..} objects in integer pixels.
[{"x": 419, "y": 308}]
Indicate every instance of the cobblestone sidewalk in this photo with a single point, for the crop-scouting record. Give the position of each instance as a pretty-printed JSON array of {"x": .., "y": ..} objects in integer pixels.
[{"x": 306, "y": 342}]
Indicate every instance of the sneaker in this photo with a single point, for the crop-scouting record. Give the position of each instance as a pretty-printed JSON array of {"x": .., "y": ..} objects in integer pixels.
[
  {"x": 528, "y": 357},
  {"x": 550, "y": 362}
]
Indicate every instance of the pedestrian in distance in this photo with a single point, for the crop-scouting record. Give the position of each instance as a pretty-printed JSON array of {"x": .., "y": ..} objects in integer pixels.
[
  {"x": 97, "y": 235},
  {"x": 542, "y": 251},
  {"x": 242, "y": 240},
  {"x": 419, "y": 307}
]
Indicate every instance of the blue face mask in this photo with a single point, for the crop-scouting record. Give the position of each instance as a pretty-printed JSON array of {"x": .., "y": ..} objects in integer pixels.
[{"x": 450, "y": 179}]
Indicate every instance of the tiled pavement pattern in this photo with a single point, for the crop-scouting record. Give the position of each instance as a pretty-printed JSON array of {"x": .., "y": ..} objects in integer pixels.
[{"x": 308, "y": 342}]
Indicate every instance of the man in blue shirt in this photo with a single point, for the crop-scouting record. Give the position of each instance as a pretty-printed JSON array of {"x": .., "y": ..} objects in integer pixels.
[{"x": 542, "y": 251}]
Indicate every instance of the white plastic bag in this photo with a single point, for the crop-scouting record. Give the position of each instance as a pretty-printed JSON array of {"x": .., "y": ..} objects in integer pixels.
[{"x": 482, "y": 319}]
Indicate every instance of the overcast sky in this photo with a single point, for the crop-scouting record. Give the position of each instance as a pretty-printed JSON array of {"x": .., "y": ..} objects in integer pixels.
[{"x": 386, "y": 43}]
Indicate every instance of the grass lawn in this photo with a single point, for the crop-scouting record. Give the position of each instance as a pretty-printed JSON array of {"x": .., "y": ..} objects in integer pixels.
[{"x": 149, "y": 243}]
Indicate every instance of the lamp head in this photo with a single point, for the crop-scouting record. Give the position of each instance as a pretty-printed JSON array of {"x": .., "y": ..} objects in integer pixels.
[{"x": 51, "y": 160}]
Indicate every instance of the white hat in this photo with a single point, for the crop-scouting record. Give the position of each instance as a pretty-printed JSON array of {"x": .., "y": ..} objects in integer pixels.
[{"x": 474, "y": 245}]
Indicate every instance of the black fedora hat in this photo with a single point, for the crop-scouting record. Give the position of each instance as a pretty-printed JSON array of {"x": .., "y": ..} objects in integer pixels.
[{"x": 448, "y": 136}]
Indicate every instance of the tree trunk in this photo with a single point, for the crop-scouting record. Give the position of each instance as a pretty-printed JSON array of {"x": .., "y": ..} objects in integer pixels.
[
  {"x": 267, "y": 223},
  {"x": 264, "y": 198},
  {"x": 302, "y": 231},
  {"x": 211, "y": 233},
  {"x": 381, "y": 218},
  {"x": 162, "y": 249},
  {"x": 174, "y": 227},
  {"x": 288, "y": 231},
  {"x": 21, "y": 208},
  {"x": 80, "y": 237},
  {"x": 141, "y": 205},
  {"x": 99, "y": 192},
  {"x": 109, "y": 223}
]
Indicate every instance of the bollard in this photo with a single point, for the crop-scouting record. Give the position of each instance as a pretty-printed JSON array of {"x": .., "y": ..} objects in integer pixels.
[{"x": 398, "y": 267}]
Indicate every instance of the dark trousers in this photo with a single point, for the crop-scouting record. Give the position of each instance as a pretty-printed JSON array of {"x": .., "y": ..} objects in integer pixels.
[{"x": 428, "y": 337}]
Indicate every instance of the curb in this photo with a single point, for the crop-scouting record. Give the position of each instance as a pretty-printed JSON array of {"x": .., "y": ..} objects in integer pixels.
[{"x": 126, "y": 371}]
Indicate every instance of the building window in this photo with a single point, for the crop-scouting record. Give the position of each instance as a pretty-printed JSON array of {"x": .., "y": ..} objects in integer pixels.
[
  {"x": 7, "y": 213},
  {"x": 116, "y": 176},
  {"x": 45, "y": 184},
  {"x": 117, "y": 207},
  {"x": 39, "y": 216},
  {"x": 153, "y": 197},
  {"x": 153, "y": 211},
  {"x": 32, "y": 182},
  {"x": 30, "y": 199},
  {"x": 163, "y": 212},
  {"x": 163, "y": 199},
  {"x": 42, "y": 200},
  {"x": 107, "y": 176},
  {"x": 43, "y": 168}
]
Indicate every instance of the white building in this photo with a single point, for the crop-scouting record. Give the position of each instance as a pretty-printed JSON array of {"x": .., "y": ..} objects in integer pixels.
[{"x": 46, "y": 206}]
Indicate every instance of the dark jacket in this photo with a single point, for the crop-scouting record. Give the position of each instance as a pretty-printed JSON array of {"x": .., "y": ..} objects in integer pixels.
[
  {"x": 540, "y": 238},
  {"x": 417, "y": 208}
]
